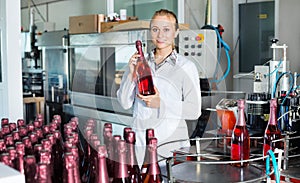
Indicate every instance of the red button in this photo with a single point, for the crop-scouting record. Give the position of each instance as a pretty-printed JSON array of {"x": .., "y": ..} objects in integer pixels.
[{"x": 198, "y": 38}]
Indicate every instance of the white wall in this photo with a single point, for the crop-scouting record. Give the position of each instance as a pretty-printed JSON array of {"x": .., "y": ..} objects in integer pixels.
[
  {"x": 288, "y": 31},
  {"x": 11, "y": 95},
  {"x": 194, "y": 15},
  {"x": 60, "y": 12}
]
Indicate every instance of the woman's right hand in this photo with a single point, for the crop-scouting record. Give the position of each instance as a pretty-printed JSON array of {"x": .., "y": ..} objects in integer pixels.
[{"x": 132, "y": 65}]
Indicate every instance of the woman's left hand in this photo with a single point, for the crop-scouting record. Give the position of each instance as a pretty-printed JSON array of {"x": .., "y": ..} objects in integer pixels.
[{"x": 152, "y": 101}]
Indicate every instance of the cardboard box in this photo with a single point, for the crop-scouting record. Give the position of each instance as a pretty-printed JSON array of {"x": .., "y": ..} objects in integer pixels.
[
  {"x": 91, "y": 24},
  {"x": 83, "y": 24}
]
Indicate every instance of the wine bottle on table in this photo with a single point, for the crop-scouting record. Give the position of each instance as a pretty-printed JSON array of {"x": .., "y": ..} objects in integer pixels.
[
  {"x": 108, "y": 141},
  {"x": 149, "y": 135},
  {"x": 102, "y": 173},
  {"x": 133, "y": 167},
  {"x": 42, "y": 173},
  {"x": 272, "y": 131},
  {"x": 20, "y": 149},
  {"x": 30, "y": 168},
  {"x": 240, "y": 141},
  {"x": 143, "y": 73},
  {"x": 153, "y": 174},
  {"x": 120, "y": 168}
]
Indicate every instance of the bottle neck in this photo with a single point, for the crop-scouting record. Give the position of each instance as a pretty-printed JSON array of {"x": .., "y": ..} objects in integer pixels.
[
  {"x": 273, "y": 116},
  {"x": 241, "y": 121},
  {"x": 141, "y": 53},
  {"x": 121, "y": 166},
  {"x": 154, "y": 167},
  {"x": 102, "y": 170},
  {"x": 132, "y": 157}
]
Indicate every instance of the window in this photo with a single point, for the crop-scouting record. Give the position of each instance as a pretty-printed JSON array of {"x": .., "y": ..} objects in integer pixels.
[{"x": 144, "y": 9}]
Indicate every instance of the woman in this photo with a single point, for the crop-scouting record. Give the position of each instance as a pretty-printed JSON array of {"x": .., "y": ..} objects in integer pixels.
[{"x": 177, "y": 88}]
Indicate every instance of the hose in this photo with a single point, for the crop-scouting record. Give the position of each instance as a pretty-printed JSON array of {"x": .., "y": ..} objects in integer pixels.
[
  {"x": 276, "y": 171},
  {"x": 226, "y": 48}
]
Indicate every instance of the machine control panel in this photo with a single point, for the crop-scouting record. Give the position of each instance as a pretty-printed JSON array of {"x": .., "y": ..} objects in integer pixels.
[{"x": 200, "y": 46}]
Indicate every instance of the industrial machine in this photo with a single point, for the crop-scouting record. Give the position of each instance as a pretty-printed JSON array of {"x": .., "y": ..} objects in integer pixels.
[
  {"x": 32, "y": 73},
  {"x": 55, "y": 57},
  {"x": 97, "y": 63}
]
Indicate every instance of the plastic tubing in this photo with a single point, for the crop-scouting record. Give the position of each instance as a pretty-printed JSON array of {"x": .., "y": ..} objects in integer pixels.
[
  {"x": 227, "y": 49},
  {"x": 275, "y": 70},
  {"x": 276, "y": 83},
  {"x": 276, "y": 171}
]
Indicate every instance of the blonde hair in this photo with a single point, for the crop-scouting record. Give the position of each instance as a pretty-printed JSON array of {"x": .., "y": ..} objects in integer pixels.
[{"x": 165, "y": 12}]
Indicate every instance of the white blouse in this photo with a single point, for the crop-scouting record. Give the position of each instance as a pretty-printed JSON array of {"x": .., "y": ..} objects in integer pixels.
[{"x": 180, "y": 99}]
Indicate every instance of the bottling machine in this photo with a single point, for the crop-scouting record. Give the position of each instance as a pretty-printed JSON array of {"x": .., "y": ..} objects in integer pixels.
[{"x": 97, "y": 63}]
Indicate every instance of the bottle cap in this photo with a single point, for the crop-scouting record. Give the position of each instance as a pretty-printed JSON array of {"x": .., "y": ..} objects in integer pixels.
[
  {"x": 37, "y": 148},
  {"x": 46, "y": 144},
  {"x": 131, "y": 137},
  {"x": 5, "y": 130},
  {"x": 46, "y": 129},
  {"x": 39, "y": 133},
  {"x": 125, "y": 132},
  {"x": 116, "y": 138},
  {"x": 51, "y": 138},
  {"x": 36, "y": 124},
  {"x": 12, "y": 152},
  {"x": 33, "y": 137},
  {"x": 102, "y": 151},
  {"x": 23, "y": 131},
  {"x": 42, "y": 171},
  {"x": 45, "y": 156},
  {"x": 67, "y": 129},
  {"x": 2, "y": 145},
  {"x": 12, "y": 126},
  {"x": 4, "y": 121},
  {"x": 241, "y": 103},
  {"x": 9, "y": 140},
  {"x": 20, "y": 122},
  {"x": 4, "y": 158},
  {"x": 53, "y": 126},
  {"x": 149, "y": 134},
  {"x": 16, "y": 136},
  {"x": 109, "y": 125},
  {"x": 30, "y": 127},
  {"x": 57, "y": 134},
  {"x": 29, "y": 160},
  {"x": 58, "y": 118},
  {"x": 20, "y": 148},
  {"x": 91, "y": 122}
]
